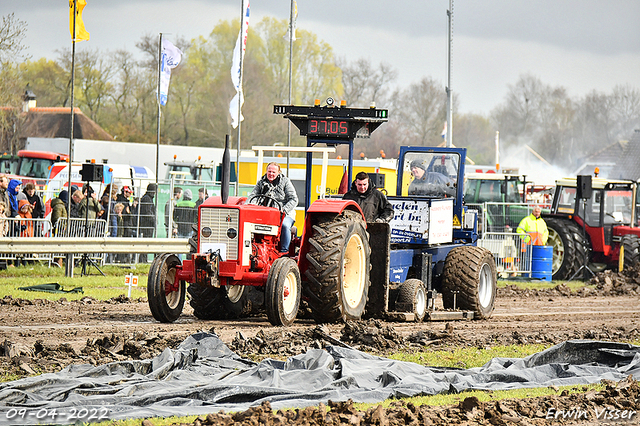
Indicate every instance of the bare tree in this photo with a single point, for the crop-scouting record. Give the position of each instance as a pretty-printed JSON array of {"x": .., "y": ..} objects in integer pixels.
[
  {"x": 363, "y": 83},
  {"x": 625, "y": 102},
  {"x": 421, "y": 111},
  {"x": 94, "y": 71},
  {"x": 475, "y": 133},
  {"x": 12, "y": 33}
]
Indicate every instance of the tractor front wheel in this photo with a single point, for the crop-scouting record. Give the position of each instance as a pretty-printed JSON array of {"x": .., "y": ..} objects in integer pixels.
[
  {"x": 282, "y": 292},
  {"x": 207, "y": 302},
  {"x": 166, "y": 298}
]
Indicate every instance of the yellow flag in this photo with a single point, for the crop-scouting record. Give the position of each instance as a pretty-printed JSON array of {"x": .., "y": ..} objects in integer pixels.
[{"x": 81, "y": 32}]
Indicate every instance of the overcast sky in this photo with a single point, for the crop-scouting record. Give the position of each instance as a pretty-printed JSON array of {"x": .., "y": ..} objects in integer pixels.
[{"x": 582, "y": 45}]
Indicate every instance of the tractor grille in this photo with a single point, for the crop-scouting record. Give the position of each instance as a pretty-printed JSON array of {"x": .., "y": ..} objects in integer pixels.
[{"x": 221, "y": 220}]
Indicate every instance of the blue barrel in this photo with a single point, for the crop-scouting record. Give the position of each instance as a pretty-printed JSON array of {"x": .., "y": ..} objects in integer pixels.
[{"x": 541, "y": 262}]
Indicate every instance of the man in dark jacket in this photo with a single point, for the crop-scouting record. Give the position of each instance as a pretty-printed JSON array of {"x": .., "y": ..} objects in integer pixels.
[
  {"x": 433, "y": 183},
  {"x": 374, "y": 204},
  {"x": 34, "y": 199},
  {"x": 185, "y": 215},
  {"x": 148, "y": 212},
  {"x": 75, "y": 202}
]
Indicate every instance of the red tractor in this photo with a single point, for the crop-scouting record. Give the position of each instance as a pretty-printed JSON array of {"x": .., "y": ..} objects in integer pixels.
[
  {"x": 238, "y": 249},
  {"x": 594, "y": 223}
]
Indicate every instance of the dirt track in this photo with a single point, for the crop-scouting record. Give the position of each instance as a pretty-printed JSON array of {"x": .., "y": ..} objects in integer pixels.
[
  {"x": 45, "y": 336},
  {"x": 516, "y": 319}
]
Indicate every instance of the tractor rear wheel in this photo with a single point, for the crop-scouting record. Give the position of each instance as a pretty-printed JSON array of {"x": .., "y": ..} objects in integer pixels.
[
  {"x": 631, "y": 245},
  {"x": 165, "y": 301},
  {"x": 226, "y": 302},
  {"x": 239, "y": 300},
  {"x": 412, "y": 297},
  {"x": 207, "y": 302},
  {"x": 568, "y": 249},
  {"x": 338, "y": 274},
  {"x": 282, "y": 292},
  {"x": 471, "y": 272}
]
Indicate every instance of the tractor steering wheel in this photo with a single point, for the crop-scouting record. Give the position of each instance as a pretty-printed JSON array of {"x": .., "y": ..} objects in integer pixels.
[{"x": 262, "y": 200}]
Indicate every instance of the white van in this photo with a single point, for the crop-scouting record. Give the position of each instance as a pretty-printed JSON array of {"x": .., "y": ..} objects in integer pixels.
[{"x": 120, "y": 174}]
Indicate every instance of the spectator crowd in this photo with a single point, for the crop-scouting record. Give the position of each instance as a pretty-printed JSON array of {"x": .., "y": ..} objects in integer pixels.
[{"x": 80, "y": 212}]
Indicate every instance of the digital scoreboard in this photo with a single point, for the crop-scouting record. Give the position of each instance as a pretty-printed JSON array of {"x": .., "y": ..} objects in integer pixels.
[
  {"x": 320, "y": 127},
  {"x": 332, "y": 122}
]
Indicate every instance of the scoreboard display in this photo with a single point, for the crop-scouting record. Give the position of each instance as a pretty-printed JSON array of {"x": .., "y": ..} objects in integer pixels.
[{"x": 331, "y": 122}]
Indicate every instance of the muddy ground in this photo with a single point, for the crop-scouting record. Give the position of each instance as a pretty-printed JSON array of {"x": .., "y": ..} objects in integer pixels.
[{"x": 41, "y": 336}]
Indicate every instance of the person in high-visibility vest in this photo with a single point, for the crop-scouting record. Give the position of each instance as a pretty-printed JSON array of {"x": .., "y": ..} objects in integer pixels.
[{"x": 535, "y": 229}]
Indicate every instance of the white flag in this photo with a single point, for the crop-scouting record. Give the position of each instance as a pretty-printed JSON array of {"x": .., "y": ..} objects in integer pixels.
[
  {"x": 170, "y": 58},
  {"x": 236, "y": 113},
  {"x": 294, "y": 23}
]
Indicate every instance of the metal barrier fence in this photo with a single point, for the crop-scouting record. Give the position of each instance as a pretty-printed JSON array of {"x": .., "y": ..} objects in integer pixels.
[
  {"x": 17, "y": 227},
  {"x": 497, "y": 225},
  {"x": 81, "y": 228},
  {"x": 501, "y": 217},
  {"x": 512, "y": 256}
]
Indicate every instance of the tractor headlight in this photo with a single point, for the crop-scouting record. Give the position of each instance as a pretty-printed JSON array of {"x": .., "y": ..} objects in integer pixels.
[
  {"x": 206, "y": 232},
  {"x": 232, "y": 233}
]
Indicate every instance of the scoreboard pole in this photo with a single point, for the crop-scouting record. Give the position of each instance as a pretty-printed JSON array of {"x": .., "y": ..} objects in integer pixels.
[{"x": 331, "y": 125}]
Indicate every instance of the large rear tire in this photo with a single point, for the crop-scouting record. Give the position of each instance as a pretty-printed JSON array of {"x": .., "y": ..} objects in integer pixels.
[
  {"x": 338, "y": 273},
  {"x": 207, "y": 302},
  {"x": 471, "y": 272},
  {"x": 412, "y": 297},
  {"x": 238, "y": 301},
  {"x": 282, "y": 292},
  {"x": 227, "y": 302},
  {"x": 165, "y": 301},
  {"x": 568, "y": 249},
  {"x": 631, "y": 245}
]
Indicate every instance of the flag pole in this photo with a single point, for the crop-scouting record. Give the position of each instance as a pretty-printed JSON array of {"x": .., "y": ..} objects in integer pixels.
[
  {"x": 69, "y": 258},
  {"x": 158, "y": 114},
  {"x": 449, "y": 141},
  {"x": 240, "y": 95},
  {"x": 290, "y": 81}
]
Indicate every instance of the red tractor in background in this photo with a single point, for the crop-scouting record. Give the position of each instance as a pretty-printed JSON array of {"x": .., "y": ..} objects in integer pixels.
[{"x": 593, "y": 223}]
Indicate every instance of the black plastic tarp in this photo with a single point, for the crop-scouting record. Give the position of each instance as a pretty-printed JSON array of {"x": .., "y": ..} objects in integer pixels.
[{"x": 204, "y": 376}]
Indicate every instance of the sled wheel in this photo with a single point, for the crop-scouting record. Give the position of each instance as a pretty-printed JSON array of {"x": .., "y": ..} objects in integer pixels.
[
  {"x": 470, "y": 278},
  {"x": 412, "y": 297}
]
